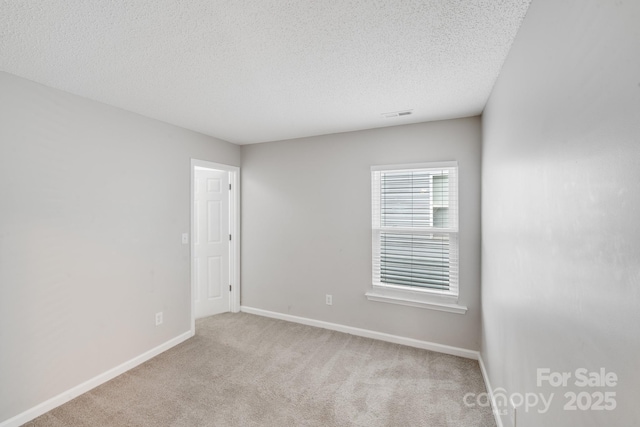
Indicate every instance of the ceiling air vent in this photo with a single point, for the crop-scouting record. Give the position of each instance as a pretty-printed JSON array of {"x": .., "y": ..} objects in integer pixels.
[{"x": 397, "y": 114}]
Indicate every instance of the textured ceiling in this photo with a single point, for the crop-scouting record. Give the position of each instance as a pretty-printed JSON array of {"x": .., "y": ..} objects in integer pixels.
[{"x": 261, "y": 70}]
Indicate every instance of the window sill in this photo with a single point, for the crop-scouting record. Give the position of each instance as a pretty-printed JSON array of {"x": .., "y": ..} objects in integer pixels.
[{"x": 415, "y": 301}]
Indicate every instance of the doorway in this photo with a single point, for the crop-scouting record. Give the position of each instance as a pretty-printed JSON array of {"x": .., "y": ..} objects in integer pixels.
[{"x": 215, "y": 239}]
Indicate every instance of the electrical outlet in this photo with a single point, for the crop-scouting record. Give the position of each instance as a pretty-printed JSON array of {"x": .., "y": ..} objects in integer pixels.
[
  {"x": 185, "y": 238},
  {"x": 329, "y": 299},
  {"x": 158, "y": 319}
]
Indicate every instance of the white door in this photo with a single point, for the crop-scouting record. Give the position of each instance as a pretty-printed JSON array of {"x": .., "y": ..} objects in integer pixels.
[{"x": 211, "y": 242}]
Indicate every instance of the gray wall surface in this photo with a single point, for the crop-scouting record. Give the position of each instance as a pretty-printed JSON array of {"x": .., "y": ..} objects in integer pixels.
[
  {"x": 561, "y": 209},
  {"x": 93, "y": 201},
  {"x": 306, "y": 227}
]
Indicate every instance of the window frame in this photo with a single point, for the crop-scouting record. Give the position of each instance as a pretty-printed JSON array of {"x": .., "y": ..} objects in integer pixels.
[{"x": 435, "y": 299}]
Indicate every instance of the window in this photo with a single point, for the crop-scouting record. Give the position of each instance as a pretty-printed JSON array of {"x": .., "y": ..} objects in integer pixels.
[{"x": 415, "y": 235}]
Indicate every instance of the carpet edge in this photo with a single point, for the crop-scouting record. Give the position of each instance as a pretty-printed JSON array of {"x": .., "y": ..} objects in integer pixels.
[
  {"x": 92, "y": 383},
  {"x": 492, "y": 397},
  {"x": 366, "y": 333}
]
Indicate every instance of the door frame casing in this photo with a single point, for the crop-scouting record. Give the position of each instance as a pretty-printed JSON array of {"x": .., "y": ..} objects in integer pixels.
[{"x": 234, "y": 229}]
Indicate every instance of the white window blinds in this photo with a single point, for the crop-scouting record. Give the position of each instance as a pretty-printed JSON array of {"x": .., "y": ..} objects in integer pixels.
[{"x": 415, "y": 227}]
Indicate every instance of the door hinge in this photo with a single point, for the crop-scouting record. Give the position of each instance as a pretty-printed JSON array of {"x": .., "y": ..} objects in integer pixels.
[
  {"x": 229, "y": 186},
  {"x": 229, "y": 236},
  {"x": 229, "y": 288}
]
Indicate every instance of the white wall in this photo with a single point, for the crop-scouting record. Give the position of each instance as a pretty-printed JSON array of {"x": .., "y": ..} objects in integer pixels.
[
  {"x": 93, "y": 201},
  {"x": 306, "y": 227},
  {"x": 561, "y": 208}
]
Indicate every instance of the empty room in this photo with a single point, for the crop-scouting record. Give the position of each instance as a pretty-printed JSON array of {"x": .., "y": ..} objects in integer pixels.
[{"x": 320, "y": 213}]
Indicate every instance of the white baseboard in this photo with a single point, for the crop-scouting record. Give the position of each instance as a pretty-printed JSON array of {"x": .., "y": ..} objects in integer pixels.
[
  {"x": 426, "y": 345},
  {"x": 76, "y": 391},
  {"x": 494, "y": 405}
]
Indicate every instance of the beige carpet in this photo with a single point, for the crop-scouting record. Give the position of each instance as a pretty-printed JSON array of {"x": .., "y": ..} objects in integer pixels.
[{"x": 246, "y": 370}]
